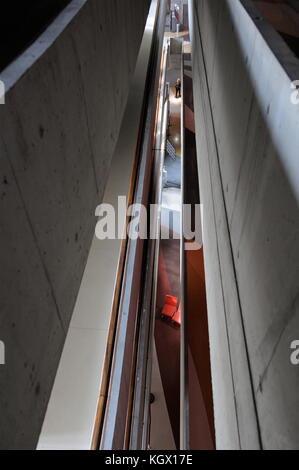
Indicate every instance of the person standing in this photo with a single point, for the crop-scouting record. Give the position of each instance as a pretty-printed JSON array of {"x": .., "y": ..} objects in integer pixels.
[{"x": 178, "y": 87}]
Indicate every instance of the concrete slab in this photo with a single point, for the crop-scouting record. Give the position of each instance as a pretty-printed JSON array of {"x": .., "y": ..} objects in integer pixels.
[
  {"x": 247, "y": 138},
  {"x": 65, "y": 97}
]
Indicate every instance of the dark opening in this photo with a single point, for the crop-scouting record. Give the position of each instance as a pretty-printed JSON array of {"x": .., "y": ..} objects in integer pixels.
[
  {"x": 22, "y": 22},
  {"x": 284, "y": 17}
]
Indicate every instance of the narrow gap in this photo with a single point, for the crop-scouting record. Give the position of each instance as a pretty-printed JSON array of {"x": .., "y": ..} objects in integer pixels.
[{"x": 180, "y": 184}]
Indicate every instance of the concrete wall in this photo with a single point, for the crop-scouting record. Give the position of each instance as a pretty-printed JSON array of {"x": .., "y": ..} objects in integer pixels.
[
  {"x": 64, "y": 104},
  {"x": 248, "y": 141}
]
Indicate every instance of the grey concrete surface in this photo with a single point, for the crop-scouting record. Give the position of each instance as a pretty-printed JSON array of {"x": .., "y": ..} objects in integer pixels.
[
  {"x": 64, "y": 104},
  {"x": 248, "y": 143}
]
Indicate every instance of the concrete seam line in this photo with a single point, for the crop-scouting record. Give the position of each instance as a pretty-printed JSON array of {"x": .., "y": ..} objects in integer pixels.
[
  {"x": 83, "y": 94},
  {"x": 46, "y": 272}
]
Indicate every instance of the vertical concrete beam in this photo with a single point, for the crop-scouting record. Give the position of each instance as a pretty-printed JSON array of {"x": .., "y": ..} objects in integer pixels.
[
  {"x": 65, "y": 98},
  {"x": 247, "y": 136}
]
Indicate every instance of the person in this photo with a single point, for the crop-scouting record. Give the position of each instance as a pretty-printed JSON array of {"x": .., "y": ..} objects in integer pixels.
[{"x": 178, "y": 88}]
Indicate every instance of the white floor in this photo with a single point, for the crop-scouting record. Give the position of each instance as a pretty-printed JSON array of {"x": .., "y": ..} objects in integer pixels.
[{"x": 71, "y": 412}]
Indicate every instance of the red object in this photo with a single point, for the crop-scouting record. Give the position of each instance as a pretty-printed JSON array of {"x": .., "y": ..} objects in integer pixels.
[
  {"x": 170, "y": 306},
  {"x": 177, "y": 316},
  {"x": 171, "y": 311}
]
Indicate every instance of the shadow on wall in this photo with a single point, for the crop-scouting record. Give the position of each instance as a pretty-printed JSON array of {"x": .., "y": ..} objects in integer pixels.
[{"x": 262, "y": 212}]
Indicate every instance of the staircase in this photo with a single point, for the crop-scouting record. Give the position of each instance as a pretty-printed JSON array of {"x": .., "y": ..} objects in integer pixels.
[{"x": 170, "y": 150}]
